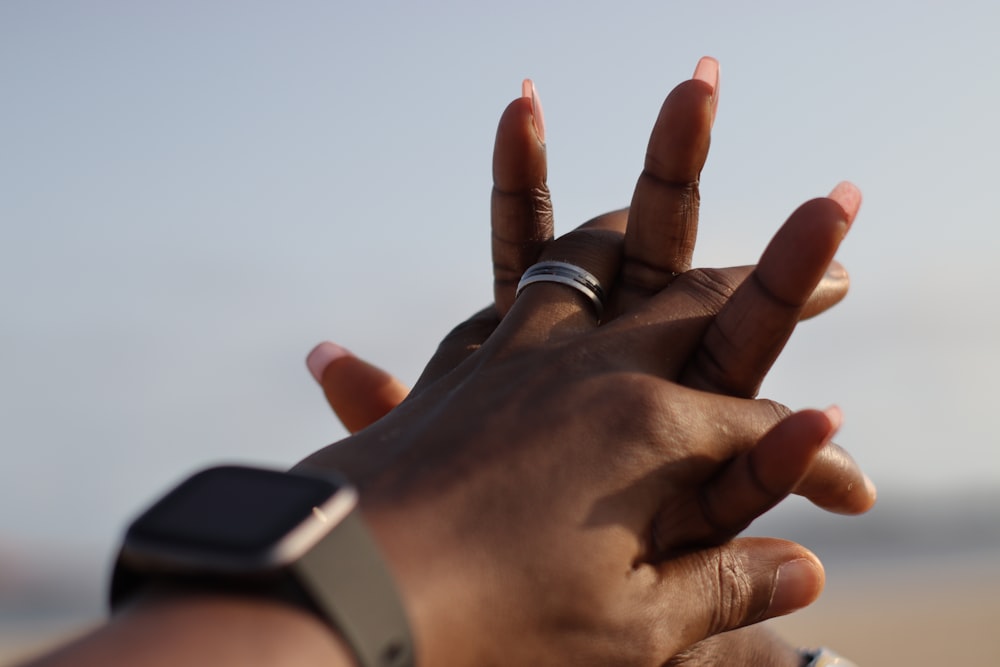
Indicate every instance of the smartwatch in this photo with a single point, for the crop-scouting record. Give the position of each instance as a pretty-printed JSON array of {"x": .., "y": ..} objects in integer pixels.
[
  {"x": 296, "y": 536},
  {"x": 824, "y": 657}
]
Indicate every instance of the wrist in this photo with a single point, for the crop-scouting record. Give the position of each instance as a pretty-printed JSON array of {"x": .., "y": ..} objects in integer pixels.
[
  {"x": 240, "y": 630},
  {"x": 277, "y": 541},
  {"x": 176, "y": 627}
]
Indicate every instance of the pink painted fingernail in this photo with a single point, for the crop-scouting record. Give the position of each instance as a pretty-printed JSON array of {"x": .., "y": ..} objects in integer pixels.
[
  {"x": 707, "y": 70},
  {"x": 321, "y": 357},
  {"x": 836, "y": 417},
  {"x": 537, "y": 115},
  {"x": 849, "y": 197}
]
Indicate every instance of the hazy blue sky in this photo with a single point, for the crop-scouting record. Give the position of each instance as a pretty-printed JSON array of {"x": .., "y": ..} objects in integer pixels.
[{"x": 193, "y": 194}]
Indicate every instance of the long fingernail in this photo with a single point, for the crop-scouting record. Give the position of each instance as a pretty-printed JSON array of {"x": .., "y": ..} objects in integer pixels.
[
  {"x": 708, "y": 71},
  {"x": 849, "y": 197},
  {"x": 321, "y": 357},
  {"x": 796, "y": 585},
  {"x": 537, "y": 115}
]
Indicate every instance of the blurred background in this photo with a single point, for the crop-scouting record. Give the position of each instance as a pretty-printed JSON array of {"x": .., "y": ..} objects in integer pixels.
[{"x": 193, "y": 194}]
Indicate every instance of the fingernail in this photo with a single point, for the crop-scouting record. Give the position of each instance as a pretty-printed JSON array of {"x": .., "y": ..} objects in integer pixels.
[
  {"x": 836, "y": 417},
  {"x": 870, "y": 487},
  {"x": 707, "y": 70},
  {"x": 537, "y": 115},
  {"x": 836, "y": 271},
  {"x": 796, "y": 585},
  {"x": 321, "y": 357},
  {"x": 849, "y": 197}
]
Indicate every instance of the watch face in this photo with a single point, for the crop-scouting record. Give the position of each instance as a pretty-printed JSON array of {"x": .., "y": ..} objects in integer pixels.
[{"x": 231, "y": 512}]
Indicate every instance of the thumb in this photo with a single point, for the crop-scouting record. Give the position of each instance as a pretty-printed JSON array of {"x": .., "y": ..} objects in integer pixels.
[
  {"x": 740, "y": 583},
  {"x": 358, "y": 392}
]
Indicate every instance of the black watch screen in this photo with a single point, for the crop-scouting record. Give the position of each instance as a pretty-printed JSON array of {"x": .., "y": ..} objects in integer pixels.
[{"x": 231, "y": 510}]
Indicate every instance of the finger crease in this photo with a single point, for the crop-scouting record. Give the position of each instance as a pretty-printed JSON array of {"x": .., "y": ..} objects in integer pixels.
[
  {"x": 669, "y": 183},
  {"x": 715, "y": 524},
  {"x": 758, "y": 482},
  {"x": 770, "y": 295},
  {"x": 714, "y": 374},
  {"x": 646, "y": 277}
]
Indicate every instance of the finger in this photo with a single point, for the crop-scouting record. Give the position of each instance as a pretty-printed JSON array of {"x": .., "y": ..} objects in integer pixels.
[
  {"x": 752, "y": 483},
  {"x": 794, "y": 457},
  {"x": 830, "y": 291},
  {"x": 468, "y": 336},
  {"x": 546, "y": 311},
  {"x": 737, "y": 584},
  {"x": 683, "y": 313},
  {"x": 832, "y": 481},
  {"x": 836, "y": 483},
  {"x": 460, "y": 342},
  {"x": 359, "y": 393},
  {"x": 746, "y": 337},
  {"x": 520, "y": 207},
  {"x": 663, "y": 217}
]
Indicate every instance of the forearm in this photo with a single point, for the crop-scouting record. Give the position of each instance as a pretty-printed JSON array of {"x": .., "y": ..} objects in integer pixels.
[{"x": 206, "y": 630}]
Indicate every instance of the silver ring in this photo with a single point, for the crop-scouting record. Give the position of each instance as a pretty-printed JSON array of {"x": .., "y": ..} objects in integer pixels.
[{"x": 565, "y": 273}]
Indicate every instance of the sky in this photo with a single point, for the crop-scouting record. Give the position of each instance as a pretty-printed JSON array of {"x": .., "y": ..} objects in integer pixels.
[{"x": 193, "y": 194}]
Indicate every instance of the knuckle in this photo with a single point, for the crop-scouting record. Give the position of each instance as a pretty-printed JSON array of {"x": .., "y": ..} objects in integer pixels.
[
  {"x": 644, "y": 277},
  {"x": 712, "y": 287},
  {"x": 656, "y": 173},
  {"x": 711, "y": 366},
  {"x": 522, "y": 216},
  {"x": 541, "y": 206},
  {"x": 775, "y": 411},
  {"x": 735, "y": 592},
  {"x": 771, "y": 295},
  {"x": 647, "y": 411},
  {"x": 476, "y": 328}
]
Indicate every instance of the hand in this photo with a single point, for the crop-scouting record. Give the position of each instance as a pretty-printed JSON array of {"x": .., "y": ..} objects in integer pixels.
[
  {"x": 521, "y": 519},
  {"x": 416, "y": 453},
  {"x": 361, "y": 393},
  {"x": 738, "y": 349},
  {"x": 347, "y": 372}
]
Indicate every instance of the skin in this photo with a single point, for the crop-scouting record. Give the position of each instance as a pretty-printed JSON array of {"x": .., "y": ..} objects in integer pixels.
[
  {"x": 522, "y": 225},
  {"x": 626, "y": 547},
  {"x": 216, "y": 630},
  {"x": 740, "y": 345}
]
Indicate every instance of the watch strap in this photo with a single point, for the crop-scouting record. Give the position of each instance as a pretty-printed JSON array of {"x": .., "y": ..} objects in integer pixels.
[{"x": 349, "y": 582}]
